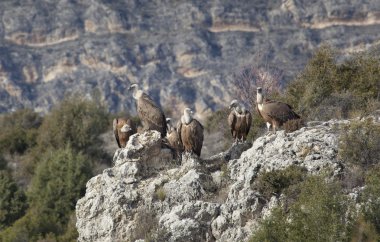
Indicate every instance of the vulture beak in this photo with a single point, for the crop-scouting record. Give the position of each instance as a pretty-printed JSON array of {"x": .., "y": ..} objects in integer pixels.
[
  {"x": 125, "y": 128},
  {"x": 132, "y": 86}
]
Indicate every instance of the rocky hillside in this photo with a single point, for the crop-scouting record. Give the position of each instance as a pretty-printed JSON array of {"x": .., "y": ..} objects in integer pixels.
[
  {"x": 148, "y": 195},
  {"x": 183, "y": 52}
]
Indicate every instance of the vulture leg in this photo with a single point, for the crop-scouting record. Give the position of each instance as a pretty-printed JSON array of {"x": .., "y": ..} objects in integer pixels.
[
  {"x": 268, "y": 127},
  {"x": 274, "y": 129},
  {"x": 236, "y": 141}
]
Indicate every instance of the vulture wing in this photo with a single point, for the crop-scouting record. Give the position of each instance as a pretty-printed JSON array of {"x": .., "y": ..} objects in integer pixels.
[
  {"x": 279, "y": 111},
  {"x": 232, "y": 121},
  {"x": 248, "y": 118},
  {"x": 196, "y": 136},
  {"x": 179, "y": 128},
  {"x": 116, "y": 131},
  {"x": 151, "y": 114}
]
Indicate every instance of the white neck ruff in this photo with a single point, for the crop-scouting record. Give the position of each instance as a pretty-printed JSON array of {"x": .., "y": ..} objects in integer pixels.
[{"x": 137, "y": 94}]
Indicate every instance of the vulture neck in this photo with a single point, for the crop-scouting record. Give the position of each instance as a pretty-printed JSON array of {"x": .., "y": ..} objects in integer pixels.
[
  {"x": 137, "y": 94},
  {"x": 170, "y": 128},
  {"x": 186, "y": 118},
  {"x": 238, "y": 110},
  {"x": 260, "y": 98}
]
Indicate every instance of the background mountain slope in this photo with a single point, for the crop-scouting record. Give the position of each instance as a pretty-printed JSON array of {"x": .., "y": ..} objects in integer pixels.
[{"x": 183, "y": 52}]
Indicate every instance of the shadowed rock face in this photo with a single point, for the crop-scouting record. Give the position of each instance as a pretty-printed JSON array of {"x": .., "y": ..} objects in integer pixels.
[
  {"x": 191, "y": 201},
  {"x": 51, "y": 48}
]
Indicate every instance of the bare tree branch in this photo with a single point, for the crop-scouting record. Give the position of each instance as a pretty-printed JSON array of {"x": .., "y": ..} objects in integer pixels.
[{"x": 248, "y": 78}]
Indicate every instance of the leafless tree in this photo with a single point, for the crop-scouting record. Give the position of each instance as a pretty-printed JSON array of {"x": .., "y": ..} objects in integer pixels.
[{"x": 248, "y": 78}]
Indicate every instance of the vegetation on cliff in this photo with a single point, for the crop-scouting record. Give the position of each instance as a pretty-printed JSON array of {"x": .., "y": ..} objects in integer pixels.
[
  {"x": 46, "y": 161},
  {"x": 51, "y": 159}
]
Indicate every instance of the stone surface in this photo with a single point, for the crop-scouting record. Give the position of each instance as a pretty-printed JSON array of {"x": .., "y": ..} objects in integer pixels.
[
  {"x": 183, "y": 52},
  {"x": 148, "y": 195}
]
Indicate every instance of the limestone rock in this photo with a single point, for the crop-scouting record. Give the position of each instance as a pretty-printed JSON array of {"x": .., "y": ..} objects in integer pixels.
[{"x": 148, "y": 195}]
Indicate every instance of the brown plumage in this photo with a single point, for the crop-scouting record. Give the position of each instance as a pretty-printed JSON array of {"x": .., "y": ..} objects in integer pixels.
[
  {"x": 173, "y": 138},
  {"x": 190, "y": 131},
  {"x": 150, "y": 114},
  {"x": 274, "y": 113},
  {"x": 239, "y": 121},
  {"x": 123, "y": 129}
]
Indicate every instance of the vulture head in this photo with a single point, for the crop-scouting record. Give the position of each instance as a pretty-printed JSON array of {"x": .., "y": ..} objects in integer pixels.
[
  {"x": 259, "y": 97},
  {"x": 169, "y": 124},
  {"x": 136, "y": 91},
  {"x": 235, "y": 105},
  {"x": 187, "y": 115},
  {"x": 125, "y": 128}
]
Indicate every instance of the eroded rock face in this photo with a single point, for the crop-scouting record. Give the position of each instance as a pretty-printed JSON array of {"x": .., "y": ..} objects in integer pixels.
[
  {"x": 183, "y": 52},
  {"x": 146, "y": 194}
]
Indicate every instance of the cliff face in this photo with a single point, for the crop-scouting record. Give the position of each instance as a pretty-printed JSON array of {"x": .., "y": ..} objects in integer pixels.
[
  {"x": 146, "y": 193},
  {"x": 184, "y": 52}
]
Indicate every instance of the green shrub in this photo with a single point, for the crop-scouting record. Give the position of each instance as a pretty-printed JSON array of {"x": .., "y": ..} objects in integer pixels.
[
  {"x": 71, "y": 233},
  {"x": 320, "y": 213},
  {"x": 360, "y": 74},
  {"x": 3, "y": 163},
  {"x": 272, "y": 229},
  {"x": 12, "y": 200},
  {"x": 315, "y": 83},
  {"x": 364, "y": 231},
  {"x": 58, "y": 183},
  {"x": 19, "y": 131},
  {"x": 19, "y": 231},
  {"x": 360, "y": 143},
  {"x": 160, "y": 194},
  {"x": 147, "y": 227},
  {"x": 327, "y": 89},
  {"x": 77, "y": 122},
  {"x": 217, "y": 121},
  {"x": 275, "y": 182},
  {"x": 371, "y": 198},
  {"x": 293, "y": 125}
]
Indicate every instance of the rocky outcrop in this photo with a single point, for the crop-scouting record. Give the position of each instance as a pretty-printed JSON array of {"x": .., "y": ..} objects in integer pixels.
[
  {"x": 148, "y": 195},
  {"x": 52, "y": 48}
]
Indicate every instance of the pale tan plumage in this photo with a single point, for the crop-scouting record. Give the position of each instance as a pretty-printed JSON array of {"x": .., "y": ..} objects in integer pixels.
[
  {"x": 123, "y": 128},
  {"x": 150, "y": 114},
  {"x": 190, "y": 131}
]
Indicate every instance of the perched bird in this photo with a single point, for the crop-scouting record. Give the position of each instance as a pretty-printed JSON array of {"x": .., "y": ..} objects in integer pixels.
[
  {"x": 150, "y": 114},
  {"x": 190, "y": 132},
  {"x": 123, "y": 129},
  {"x": 239, "y": 121},
  {"x": 173, "y": 138},
  {"x": 274, "y": 113}
]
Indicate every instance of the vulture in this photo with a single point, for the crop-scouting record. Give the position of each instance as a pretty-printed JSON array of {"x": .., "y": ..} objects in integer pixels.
[
  {"x": 190, "y": 132},
  {"x": 274, "y": 113},
  {"x": 173, "y": 138},
  {"x": 123, "y": 129},
  {"x": 239, "y": 121},
  {"x": 150, "y": 114}
]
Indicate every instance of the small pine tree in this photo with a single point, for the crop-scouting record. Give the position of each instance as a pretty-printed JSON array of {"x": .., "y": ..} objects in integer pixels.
[
  {"x": 319, "y": 213},
  {"x": 12, "y": 200},
  {"x": 59, "y": 182}
]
